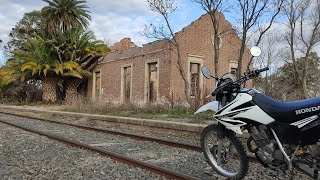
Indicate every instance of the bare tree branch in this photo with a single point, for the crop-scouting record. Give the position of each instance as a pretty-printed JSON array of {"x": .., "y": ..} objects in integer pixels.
[
  {"x": 262, "y": 32},
  {"x": 165, "y": 8},
  {"x": 305, "y": 14},
  {"x": 253, "y": 13},
  {"x": 214, "y": 8}
]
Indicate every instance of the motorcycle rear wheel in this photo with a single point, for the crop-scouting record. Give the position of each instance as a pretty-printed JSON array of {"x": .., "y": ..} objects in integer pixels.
[{"x": 232, "y": 152}]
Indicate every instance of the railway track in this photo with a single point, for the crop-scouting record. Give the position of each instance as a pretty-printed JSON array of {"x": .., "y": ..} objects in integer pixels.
[
  {"x": 168, "y": 173},
  {"x": 118, "y": 157},
  {"x": 106, "y": 131},
  {"x": 113, "y": 132},
  {"x": 130, "y": 135}
]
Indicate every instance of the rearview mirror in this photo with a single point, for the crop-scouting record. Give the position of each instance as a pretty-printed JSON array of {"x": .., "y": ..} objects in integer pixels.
[
  {"x": 255, "y": 51},
  {"x": 206, "y": 72}
]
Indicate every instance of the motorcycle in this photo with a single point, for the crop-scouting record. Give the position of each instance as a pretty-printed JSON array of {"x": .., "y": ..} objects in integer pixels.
[{"x": 282, "y": 135}]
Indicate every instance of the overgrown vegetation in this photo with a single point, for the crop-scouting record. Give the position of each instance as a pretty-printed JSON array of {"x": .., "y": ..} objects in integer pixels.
[
  {"x": 150, "y": 111},
  {"x": 54, "y": 47},
  {"x": 283, "y": 84},
  {"x": 50, "y": 56}
]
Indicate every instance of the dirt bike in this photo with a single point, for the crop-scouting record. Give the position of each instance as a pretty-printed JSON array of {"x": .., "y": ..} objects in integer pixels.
[{"x": 282, "y": 135}]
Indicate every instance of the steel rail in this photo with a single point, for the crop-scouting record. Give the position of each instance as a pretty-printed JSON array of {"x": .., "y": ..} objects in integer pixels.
[
  {"x": 130, "y": 135},
  {"x": 251, "y": 158},
  {"x": 149, "y": 167}
]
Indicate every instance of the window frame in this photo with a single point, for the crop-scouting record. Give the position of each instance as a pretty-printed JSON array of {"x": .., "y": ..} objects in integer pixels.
[
  {"x": 122, "y": 91},
  {"x": 195, "y": 59}
]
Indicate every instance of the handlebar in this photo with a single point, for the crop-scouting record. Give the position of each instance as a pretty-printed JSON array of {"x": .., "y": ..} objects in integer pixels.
[
  {"x": 264, "y": 69},
  {"x": 256, "y": 72},
  {"x": 236, "y": 84}
]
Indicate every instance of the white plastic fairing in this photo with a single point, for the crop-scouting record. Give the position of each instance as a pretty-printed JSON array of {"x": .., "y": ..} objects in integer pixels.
[
  {"x": 239, "y": 100},
  {"x": 241, "y": 108},
  {"x": 236, "y": 128},
  {"x": 214, "y": 105},
  {"x": 256, "y": 114}
]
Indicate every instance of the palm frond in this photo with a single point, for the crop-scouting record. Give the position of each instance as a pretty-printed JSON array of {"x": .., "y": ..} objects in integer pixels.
[
  {"x": 29, "y": 65},
  {"x": 46, "y": 68},
  {"x": 73, "y": 74},
  {"x": 58, "y": 68}
]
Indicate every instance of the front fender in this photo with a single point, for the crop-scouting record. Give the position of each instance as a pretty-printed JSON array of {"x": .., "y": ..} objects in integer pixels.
[{"x": 214, "y": 105}]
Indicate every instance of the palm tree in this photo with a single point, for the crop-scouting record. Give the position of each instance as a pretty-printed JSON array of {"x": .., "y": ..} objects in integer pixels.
[
  {"x": 82, "y": 48},
  {"x": 65, "y": 55},
  {"x": 36, "y": 57},
  {"x": 65, "y": 14},
  {"x": 67, "y": 19},
  {"x": 11, "y": 71},
  {"x": 39, "y": 60}
]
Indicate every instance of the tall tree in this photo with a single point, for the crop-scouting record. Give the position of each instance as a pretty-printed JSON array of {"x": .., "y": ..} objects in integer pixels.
[
  {"x": 39, "y": 60},
  {"x": 66, "y": 55},
  {"x": 67, "y": 19},
  {"x": 254, "y": 16},
  {"x": 28, "y": 26},
  {"x": 214, "y": 8},
  {"x": 166, "y": 8},
  {"x": 66, "y": 14},
  {"x": 271, "y": 56},
  {"x": 80, "y": 47},
  {"x": 283, "y": 85},
  {"x": 302, "y": 40}
]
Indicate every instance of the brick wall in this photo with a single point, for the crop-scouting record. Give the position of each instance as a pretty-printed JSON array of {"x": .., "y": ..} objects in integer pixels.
[
  {"x": 136, "y": 57},
  {"x": 195, "y": 41},
  {"x": 124, "y": 43}
]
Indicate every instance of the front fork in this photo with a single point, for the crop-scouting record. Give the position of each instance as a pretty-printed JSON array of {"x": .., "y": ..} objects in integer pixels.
[
  {"x": 221, "y": 132},
  {"x": 221, "y": 135}
]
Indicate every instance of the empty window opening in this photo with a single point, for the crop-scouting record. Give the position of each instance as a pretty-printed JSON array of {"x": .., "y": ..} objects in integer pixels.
[
  {"x": 127, "y": 83},
  {"x": 194, "y": 79},
  {"x": 97, "y": 87},
  {"x": 152, "y": 82}
]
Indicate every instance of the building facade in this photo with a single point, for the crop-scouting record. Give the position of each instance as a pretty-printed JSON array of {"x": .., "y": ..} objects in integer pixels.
[{"x": 149, "y": 74}]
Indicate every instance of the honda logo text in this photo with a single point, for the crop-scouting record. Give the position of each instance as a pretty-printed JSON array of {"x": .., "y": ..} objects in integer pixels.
[{"x": 306, "y": 110}]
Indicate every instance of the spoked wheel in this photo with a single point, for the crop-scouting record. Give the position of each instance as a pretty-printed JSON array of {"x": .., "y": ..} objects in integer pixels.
[{"x": 226, "y": 156}]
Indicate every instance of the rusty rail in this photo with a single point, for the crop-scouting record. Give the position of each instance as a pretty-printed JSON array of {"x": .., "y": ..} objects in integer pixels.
[
  {"x": 152, "y": 168},
  {"x": 130, "y": 135}
]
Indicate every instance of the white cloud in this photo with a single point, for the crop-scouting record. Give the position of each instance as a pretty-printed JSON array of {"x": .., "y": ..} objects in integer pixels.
[
  {"x": 12, "y": 11},
  {"x": 275, "y": 48},
  {"x": 123, "y": 7},
  {"x": 111, "y": 20}
]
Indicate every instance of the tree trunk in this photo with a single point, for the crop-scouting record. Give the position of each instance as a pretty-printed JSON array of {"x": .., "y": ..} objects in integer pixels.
[
  {"x": 49, "y": 90},
  {"x": 241, "y": 53},
  {"x": 184, "y": 76},
  {"x": 305, "y": 73},
  {"x": 71, "y": 90}
]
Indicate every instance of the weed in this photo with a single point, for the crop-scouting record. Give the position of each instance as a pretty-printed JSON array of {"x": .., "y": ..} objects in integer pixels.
[{"x": 149, "y": 111}]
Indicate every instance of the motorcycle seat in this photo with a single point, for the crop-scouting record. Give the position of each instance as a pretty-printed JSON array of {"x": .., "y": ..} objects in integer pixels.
[{"x": 287, "y": 112}]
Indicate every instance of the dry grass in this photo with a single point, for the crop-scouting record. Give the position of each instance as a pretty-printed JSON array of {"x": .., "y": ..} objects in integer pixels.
[{"x": 150, "y": 111}]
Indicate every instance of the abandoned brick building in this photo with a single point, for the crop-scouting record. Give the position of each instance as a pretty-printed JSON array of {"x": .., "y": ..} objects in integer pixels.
[{"x": 149, "y": 74}]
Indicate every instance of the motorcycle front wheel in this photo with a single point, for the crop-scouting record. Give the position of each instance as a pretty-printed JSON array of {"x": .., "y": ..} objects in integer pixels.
[{"x": 231, "y": 161}]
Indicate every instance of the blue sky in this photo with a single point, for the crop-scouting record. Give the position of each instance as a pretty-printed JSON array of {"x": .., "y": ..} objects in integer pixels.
[{"x": 111, "y": 20}]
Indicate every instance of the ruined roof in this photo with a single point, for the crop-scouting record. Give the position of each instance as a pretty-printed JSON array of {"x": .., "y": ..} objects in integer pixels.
[
  {"x": 123, "y": 44},
  {"x": 131, "y": 52},
  {"x": 125, "y": 48}
]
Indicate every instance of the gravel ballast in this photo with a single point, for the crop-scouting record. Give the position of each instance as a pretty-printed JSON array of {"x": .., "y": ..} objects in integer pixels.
[
  {"x": 26, "y": 155},
  {"x": 185, "y": 161}
]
